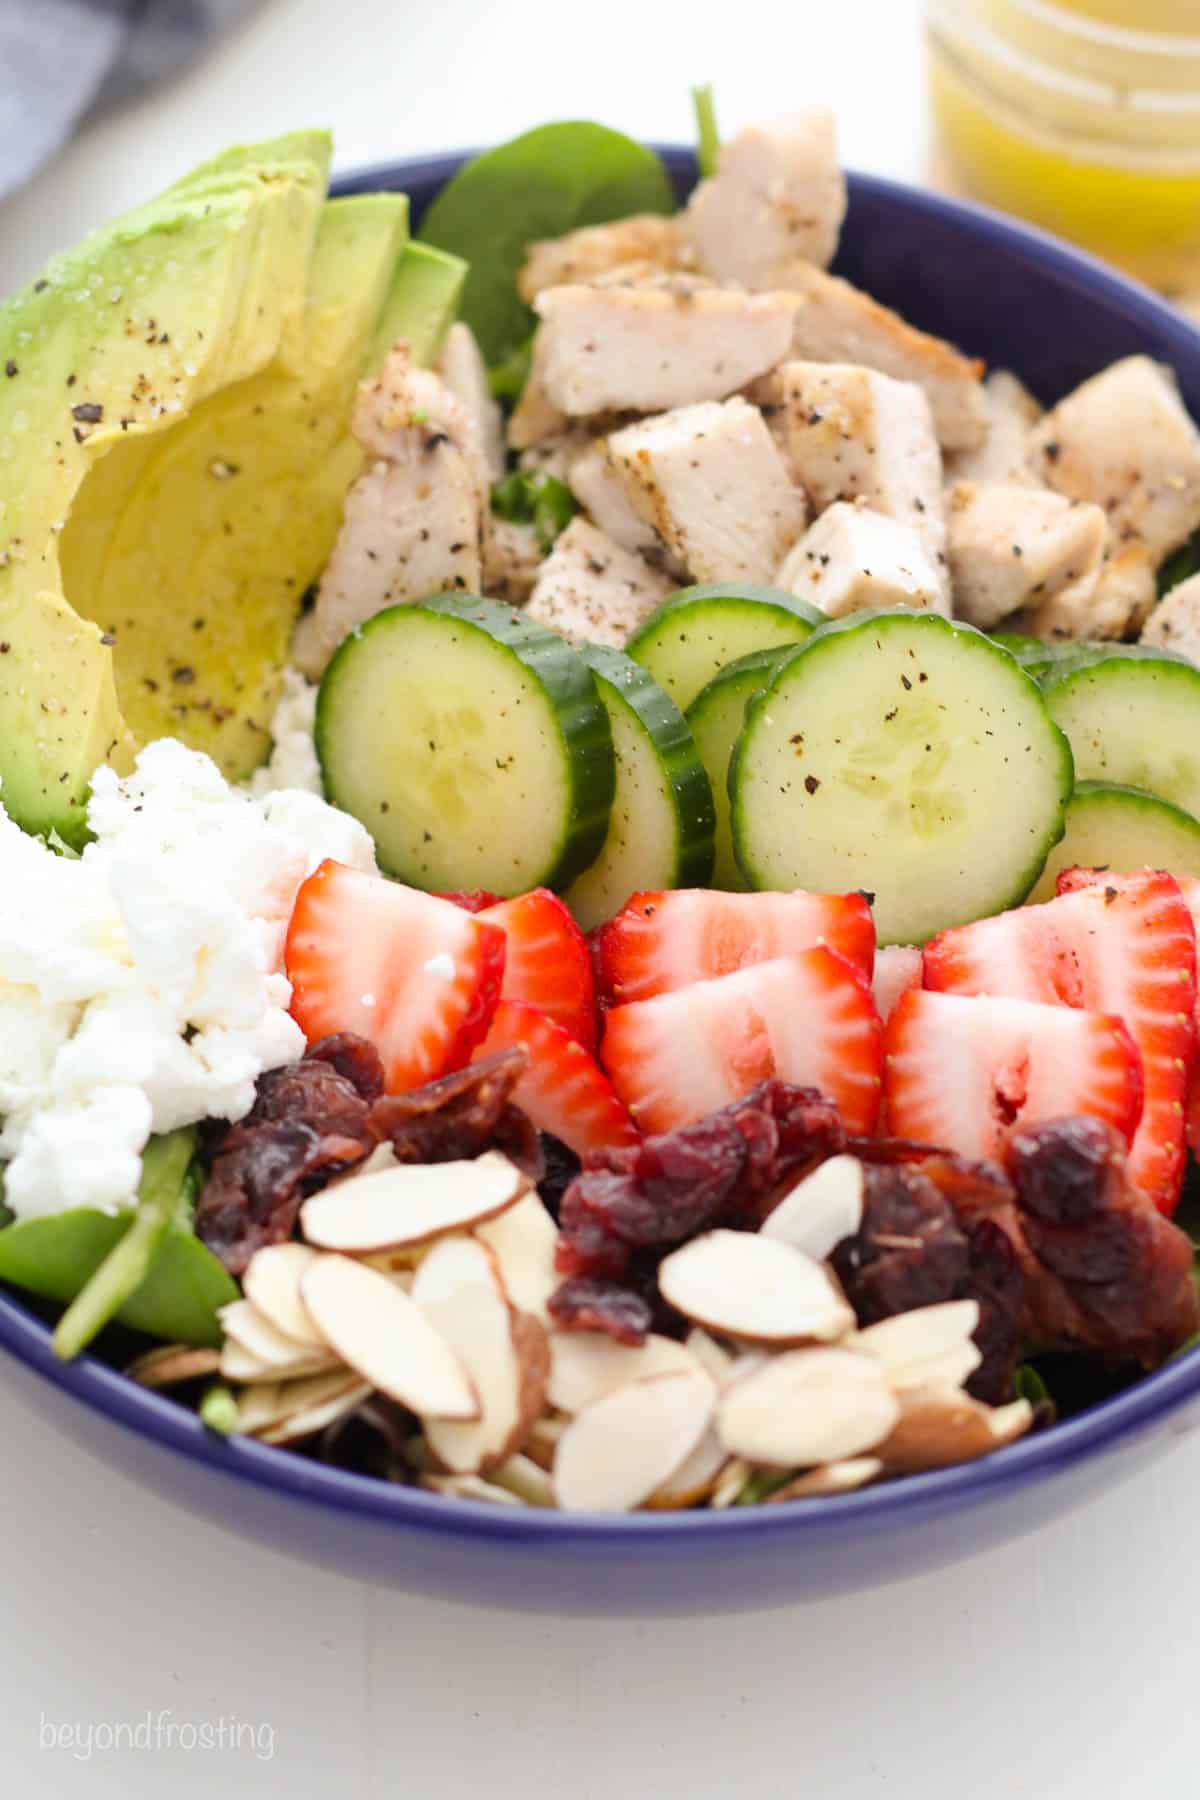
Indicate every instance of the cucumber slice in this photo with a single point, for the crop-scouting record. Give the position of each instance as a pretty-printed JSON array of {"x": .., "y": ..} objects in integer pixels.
[
  {"x": 698, "y": 630},
  {"x": 901, "y": 754},
  {"x": 660, "y": 832},
  {"x": 471, "y": 743},
  {"x": 1133, "y": 717},
  {"x": 715, "y": 719},
  {"x": 1122, "y": 829}
]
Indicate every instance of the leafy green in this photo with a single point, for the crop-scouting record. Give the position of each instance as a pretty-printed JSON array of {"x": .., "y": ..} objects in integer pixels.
[
  {"x": 179, "y": 1283},
  {"x": 540, "y": 185},
  {"x": 528, "y": 498},
  {"x": 708, "y": 138},
  {"x": 219, "y": 1409},
  {"x": 762, "y": 1484},
  {"x": 1179, "y": 565},
  {"x": 1029, "y": 1385},
  {"x": 507, "y": 379}
]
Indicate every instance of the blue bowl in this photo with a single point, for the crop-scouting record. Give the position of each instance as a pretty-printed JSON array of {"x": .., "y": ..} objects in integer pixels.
[{"x": 1019, "y": 299}]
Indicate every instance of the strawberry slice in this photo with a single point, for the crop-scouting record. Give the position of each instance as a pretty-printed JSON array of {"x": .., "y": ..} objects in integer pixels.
[
  {"x": 472, "y": 900},
  {"x": 1189, "y": 887},
  {"x": 662, "y": 941},
  {"x": 808, "y": 1018},
  {"x": 548, "y": 964},
  {"x": 1121, "y": 944},
  {"x": 967, "y": 1072},
  {"x": 897, "y": 969},
  {"x": 417, "y": 976},
  {"x": 564, "y": 1090}
]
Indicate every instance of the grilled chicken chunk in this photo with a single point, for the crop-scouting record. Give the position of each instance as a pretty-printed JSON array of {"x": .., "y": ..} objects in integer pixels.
[
  {"x": 1124, "y": 440},
  {"x": 1004, "y": 453},
  {"x": 1010, "y": 547},
  {"x": 1112, "y": 603},
  {"x": 462, "y": 368},
  {"x": 591, "y": 590},
  {"x": 714, "y": 487},
  {"x": 512, "y": 558},
  {"x": 647, "y": 240},
  {"x": 838, "y": 323},
  {"x": 412, "y": 524},
  {"x": 648, "y": 349},
  {"x": 849, "y": 433},
  {"x": 852, "y": 558},
  {"x": 778, "y": 194},
  {"x": 600, "y": 490},
  {"x": 1175, "y": 622}
]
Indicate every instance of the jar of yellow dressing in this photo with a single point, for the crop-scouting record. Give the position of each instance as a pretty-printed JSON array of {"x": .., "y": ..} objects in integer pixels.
[{"x": 1080, "y": 115}]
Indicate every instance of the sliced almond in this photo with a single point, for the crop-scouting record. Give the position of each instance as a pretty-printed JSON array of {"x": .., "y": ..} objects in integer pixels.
[
  {"x": 729, "y": 1484},
  {"x": 411, "y": 1203},
  {"x": 695, "y": 1478},
  {"x": 504, "y": 1351},
  {"x": 756, "y": 1288},
  {"x": 709, "y": 1354},
  {"x": 616, "y": 1453},
  {"x": 821, "y": 1210},
  {"x": 470, "y": 1487},
  {"x": 386, "y": 1337},
  {"x": 834, "y": 1478},
  {"x": 272, "y": 1284},
  {"x": 168, "y": 1364},
  {"x": 587, "y": 1365},
  {"x": 239, "y": 1364},
  {"x": 526, "y": 1479},
  {"x": 306, "y": 1421},
  {"x": 268, "y": 1405},
  {"x": 807, "y": 1407},
  {"x": 250, "y": 1338},
  {"x": 940, "y": 1425},
  {"x": 523, "y": 1240},
  {"x": 931, "y": 1345}
]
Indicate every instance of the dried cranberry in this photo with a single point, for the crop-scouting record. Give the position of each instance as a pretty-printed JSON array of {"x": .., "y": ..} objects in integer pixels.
[
  {"x": 995, "y": 1280},
  {"x": 909, "y": 1250},
  {"x": 584, "y": 1304},
  {"x": 259, "y": 1175},
  {"x": 352, "y": 1057},
  {"x": 560, "y": 1167},
  {"x": 454, "y": 1118}
]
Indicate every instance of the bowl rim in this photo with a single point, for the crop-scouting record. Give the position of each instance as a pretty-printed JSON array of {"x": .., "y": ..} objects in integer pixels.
[{"x": 171, "y": 1426}]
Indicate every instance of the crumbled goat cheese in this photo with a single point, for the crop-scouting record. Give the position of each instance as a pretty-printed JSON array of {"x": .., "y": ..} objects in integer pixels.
[
  {"x": 141, "y": 985},
  {"x": 293, "y": 763}
]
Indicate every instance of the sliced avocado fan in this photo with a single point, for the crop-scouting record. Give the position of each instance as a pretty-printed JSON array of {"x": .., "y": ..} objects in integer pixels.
[{"x": 174, "y": 454}]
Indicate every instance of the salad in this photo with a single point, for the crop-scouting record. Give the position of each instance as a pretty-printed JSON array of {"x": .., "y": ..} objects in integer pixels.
[{"x": 601, "y": 836}]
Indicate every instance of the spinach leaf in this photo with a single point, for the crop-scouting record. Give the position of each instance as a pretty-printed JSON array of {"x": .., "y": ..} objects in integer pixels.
[
  {"x": 1028, "y": 1384},
  {"x": 507, "y": 379},
  {"x": 526, "y": 498},
  {"x": 708, "y": 138},
  {"x": 166, "y": 1283},
  {"x": 1179, "y": 565},
  {"x": 540, "y": 185}
]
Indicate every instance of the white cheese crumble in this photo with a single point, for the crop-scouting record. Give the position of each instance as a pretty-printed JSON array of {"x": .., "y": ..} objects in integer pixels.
[
  {"x": 293, "y": 761},
  {"x": 141, "y": 985}
]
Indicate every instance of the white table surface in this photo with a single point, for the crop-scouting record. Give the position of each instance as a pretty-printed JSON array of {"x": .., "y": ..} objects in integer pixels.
[{"x": 1059, "y": 1669}]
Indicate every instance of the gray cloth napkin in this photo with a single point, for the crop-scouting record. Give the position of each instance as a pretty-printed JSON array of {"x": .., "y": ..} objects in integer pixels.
[{"x": 61, "y": 60}]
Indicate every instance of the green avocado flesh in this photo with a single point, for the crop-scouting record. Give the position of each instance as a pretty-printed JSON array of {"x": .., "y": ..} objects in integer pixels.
[{"x": 174, "y": 455}]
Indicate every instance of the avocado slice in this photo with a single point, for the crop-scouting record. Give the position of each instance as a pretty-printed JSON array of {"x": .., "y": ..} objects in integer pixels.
[
  {"x": 193, "y": 548},
  {"x": 112, "y": 345},
  {"x": 422, "y": 304}
]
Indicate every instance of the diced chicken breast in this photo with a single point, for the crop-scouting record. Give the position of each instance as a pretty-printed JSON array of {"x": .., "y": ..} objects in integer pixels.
[
  {"x": 600, "y": 490},
  {"x": 647, "y": 239},
  {"x": 1110, "y": 603},
  {"x": 592, "y": 591},
  {"x": 778, "y": 194},
  {"x": 462, "y": 368},
  {"x": 838, "y": 323},
  {"x": 554, "y": 455},
  {"x": 852, "y": 558},
  {"x": 535, "y": 419},
  {"x": 651, "y": 349},
  {"x": 1124, "y": 440},
  {"x": 1010, "y": 547},
  {"x": 1175, "y": 622},
  {"x": 512, "y": 557},
  {"x": 849, "y": 433},
  {"x": 1004, "y": 453},
  {"x": 412, "y": 521},
  {"x": 711, "y": 482}
]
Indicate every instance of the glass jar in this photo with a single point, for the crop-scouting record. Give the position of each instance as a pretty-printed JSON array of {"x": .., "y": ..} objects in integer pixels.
[{"x": 1081, "y": 116}]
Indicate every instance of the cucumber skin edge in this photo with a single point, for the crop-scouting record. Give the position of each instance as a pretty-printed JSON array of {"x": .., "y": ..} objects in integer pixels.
[
  {"x": 686, "y": 775},
  {"x": 955, "y": 628}
]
